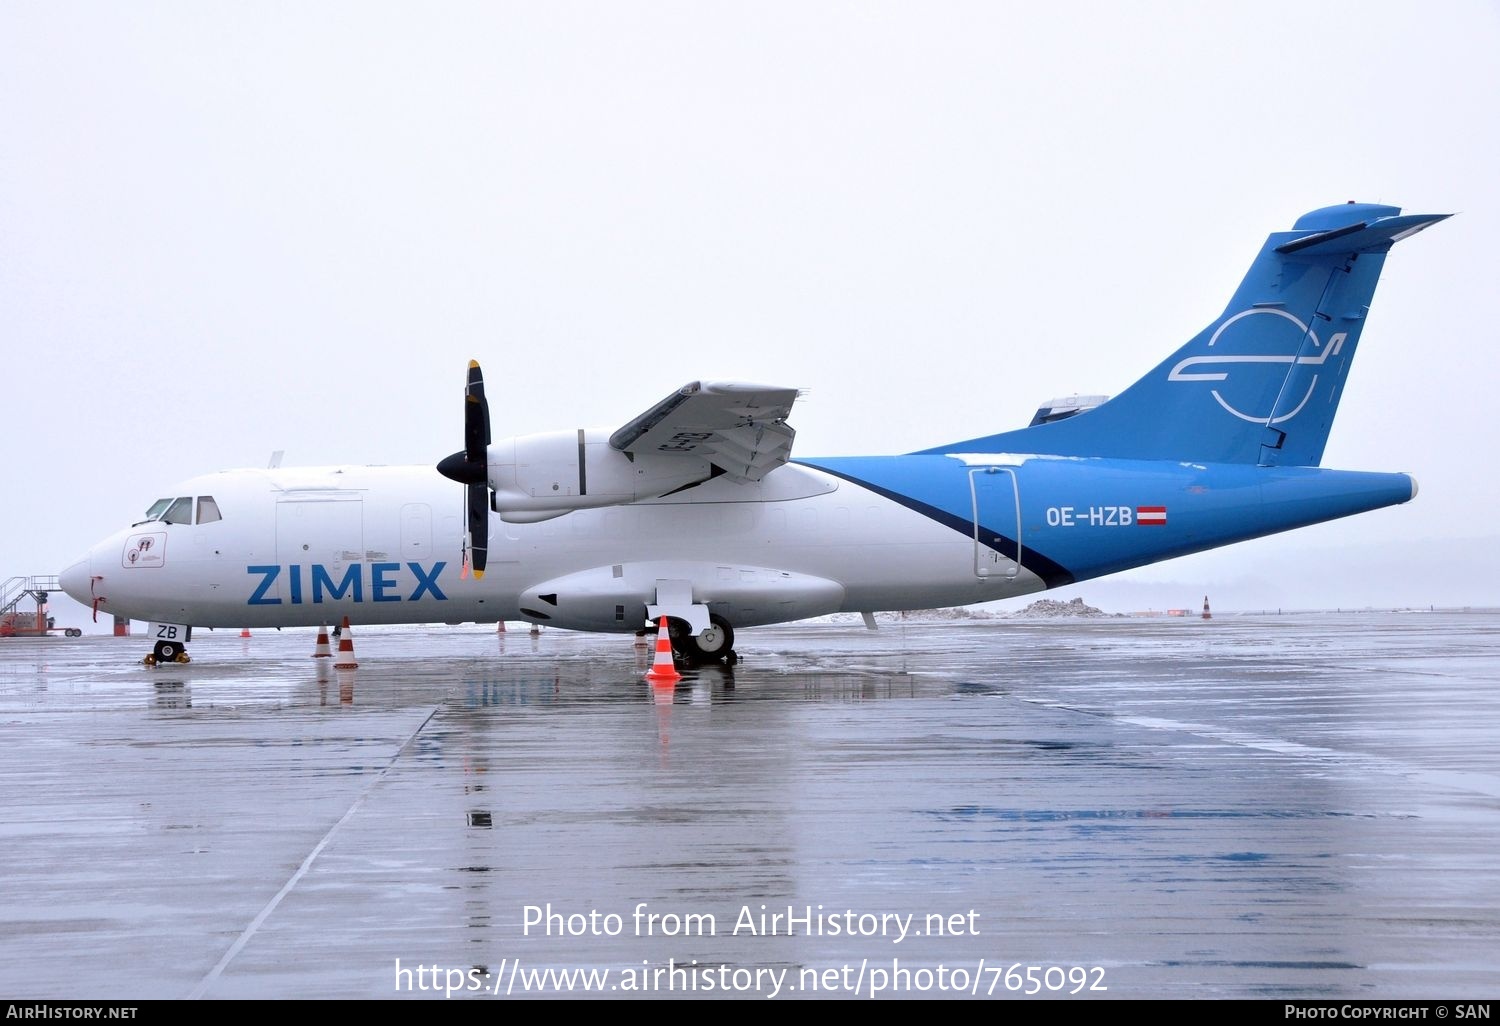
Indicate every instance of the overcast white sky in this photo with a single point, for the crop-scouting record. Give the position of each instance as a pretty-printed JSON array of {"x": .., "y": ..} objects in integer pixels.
[{"x": 227, "y": 229}]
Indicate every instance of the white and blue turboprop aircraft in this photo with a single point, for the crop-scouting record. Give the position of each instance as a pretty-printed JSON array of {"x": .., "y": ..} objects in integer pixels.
[{"x": 696, "y": 510}]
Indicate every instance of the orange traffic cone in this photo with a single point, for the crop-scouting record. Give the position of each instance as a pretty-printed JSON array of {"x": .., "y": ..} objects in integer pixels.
[
  {"x": 346, "y": 648},
  {"x": 500, "y": 627},
  {"x": 1206, "y": 614},
  {"x": 321, "y": 651},
  {"x": 663, "y": 670},
  {"x": 244, "y": 632}
]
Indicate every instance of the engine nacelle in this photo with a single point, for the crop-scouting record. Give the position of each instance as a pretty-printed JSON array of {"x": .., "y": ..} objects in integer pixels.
[{"x": 538, "y": 477}]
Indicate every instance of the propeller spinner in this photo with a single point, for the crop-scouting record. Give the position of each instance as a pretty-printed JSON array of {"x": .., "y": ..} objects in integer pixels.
[{"x": 470, "y": 467}]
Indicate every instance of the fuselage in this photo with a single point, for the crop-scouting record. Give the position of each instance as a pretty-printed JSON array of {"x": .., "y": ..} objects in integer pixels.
[{"x": 302, "y": 547}]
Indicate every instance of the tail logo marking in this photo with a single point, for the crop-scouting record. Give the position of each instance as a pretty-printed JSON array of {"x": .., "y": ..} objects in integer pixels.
[{"x": 1181, "y": 372}]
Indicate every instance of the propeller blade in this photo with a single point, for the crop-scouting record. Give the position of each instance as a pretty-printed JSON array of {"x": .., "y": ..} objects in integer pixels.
[
  {"x": 479, "y": 527},
  {"x": 471, "y": 467},
  {"x": 476, "y": 416}
]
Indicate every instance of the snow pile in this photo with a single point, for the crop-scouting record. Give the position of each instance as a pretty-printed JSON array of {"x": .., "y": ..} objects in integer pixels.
[{"x": 1054, "y": 608}]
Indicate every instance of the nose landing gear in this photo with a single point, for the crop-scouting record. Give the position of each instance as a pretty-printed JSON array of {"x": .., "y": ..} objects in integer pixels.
[
  {"x": 171, "y": 644},
  {"x": 167, "y": 652}
]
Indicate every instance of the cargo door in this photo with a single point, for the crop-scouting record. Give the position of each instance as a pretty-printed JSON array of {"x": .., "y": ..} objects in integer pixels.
[{"x": 996, "y": 494}]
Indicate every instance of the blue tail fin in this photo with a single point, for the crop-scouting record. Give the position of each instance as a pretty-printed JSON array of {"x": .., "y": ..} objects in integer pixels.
[{"x": 1261, "y": 384}]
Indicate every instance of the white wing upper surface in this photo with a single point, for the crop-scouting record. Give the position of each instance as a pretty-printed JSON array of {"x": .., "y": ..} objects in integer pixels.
[{"x": 739, "y": 428}]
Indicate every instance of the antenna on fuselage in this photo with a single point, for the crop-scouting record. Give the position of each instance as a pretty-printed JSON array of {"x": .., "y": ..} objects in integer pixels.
[{"x": 276, "y": 459}]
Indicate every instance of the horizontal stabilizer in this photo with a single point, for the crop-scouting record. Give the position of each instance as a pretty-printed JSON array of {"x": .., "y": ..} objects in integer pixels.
[{"x": 1362, "y": 237}]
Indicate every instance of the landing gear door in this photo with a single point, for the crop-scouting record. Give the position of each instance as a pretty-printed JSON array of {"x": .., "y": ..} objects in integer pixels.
[{"x": 996, "y": 493}]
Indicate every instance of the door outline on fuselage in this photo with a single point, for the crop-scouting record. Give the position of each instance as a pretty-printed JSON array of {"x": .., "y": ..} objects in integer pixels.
[
  {"x": 416, "y": 531},
  {"x": 986, "y": 557}
]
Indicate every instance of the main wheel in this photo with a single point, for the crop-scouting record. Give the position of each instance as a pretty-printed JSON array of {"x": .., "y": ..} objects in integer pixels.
[{"x": 717, "y": 642}]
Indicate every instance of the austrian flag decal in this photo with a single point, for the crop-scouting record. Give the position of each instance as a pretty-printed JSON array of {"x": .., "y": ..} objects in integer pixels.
[{"x": 1148, "y": 516}]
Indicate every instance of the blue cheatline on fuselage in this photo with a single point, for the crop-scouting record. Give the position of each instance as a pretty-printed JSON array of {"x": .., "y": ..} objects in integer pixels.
[{"x": 1083, "y": 518}]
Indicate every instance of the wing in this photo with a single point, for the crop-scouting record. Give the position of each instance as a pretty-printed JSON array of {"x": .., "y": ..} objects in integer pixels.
[{"x": 740, "y": 428}]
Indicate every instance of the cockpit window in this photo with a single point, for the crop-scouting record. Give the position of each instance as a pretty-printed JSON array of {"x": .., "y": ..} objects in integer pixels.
[{"x": 181, "y": 511}]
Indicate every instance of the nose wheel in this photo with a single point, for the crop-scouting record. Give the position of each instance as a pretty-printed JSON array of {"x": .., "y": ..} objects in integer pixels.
[{"x": 168, "y": 652}]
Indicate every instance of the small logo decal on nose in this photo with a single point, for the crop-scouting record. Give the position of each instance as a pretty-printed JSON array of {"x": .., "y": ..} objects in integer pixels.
[{"x": 146, "y": 549}]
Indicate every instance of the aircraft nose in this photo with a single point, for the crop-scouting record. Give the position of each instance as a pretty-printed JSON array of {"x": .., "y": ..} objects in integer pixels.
[{"x": 75, "y": 581}]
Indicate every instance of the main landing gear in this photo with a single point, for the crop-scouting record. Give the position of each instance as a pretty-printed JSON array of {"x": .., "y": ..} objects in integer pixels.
[{"x": 715, "y": 644}]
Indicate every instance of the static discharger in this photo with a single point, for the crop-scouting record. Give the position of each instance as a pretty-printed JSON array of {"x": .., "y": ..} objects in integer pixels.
[
  {"x": 321, "y": 651},
  {"x": 346, "y": 648},
  {"x": 663, "y": 670}
]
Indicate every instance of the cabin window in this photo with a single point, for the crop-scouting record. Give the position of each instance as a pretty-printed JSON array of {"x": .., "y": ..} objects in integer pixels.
[
  {"x": 181, "y": 511},
  {"x": 208, "y": 510}
]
